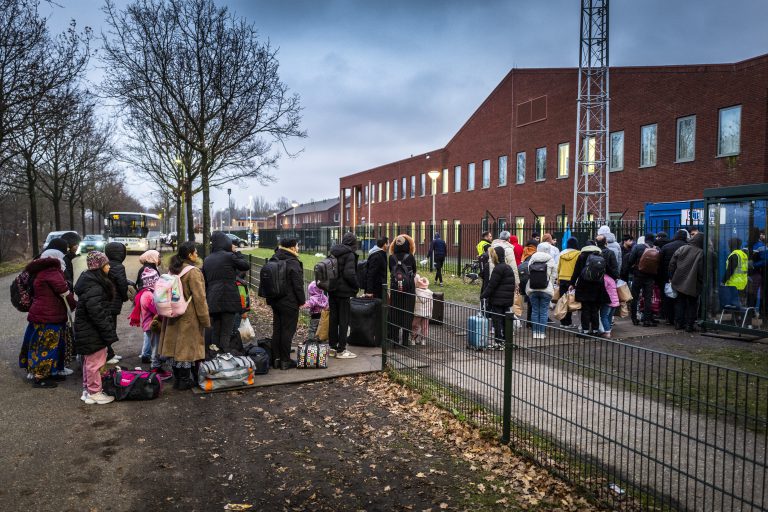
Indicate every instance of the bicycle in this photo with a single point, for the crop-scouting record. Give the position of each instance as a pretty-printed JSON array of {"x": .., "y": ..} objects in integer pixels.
[{"x": 470, "y": 273}]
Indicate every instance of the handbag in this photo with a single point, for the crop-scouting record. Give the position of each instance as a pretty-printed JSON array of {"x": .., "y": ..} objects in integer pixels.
[
  {"x": 312, "y": 355},
  {"x": 623, "y": 310},
  {"x": 669, "y": 291},
  {"x": 556, "y": 295},
  {"x": 561, "y": 308},
  {"x": 322, "y": 327},
  {"x": 517, "y": 306},
  {"x": 131, "y": 384},
  {"x": 246, "y": 330},
  {"x": 573, "y": 305},
  {"x": 225, "y": 371},
  {"x": 623, "y": 291}
]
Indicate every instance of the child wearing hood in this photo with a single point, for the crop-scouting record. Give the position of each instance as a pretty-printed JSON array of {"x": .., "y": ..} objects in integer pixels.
[
  {"x": 540, "y": 297},
  {"x": 317, "y": 303},
  {"x": 422, "y": 312}
]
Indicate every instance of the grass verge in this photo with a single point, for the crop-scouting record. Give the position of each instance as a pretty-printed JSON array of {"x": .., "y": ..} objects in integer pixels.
[{"x": 11, "y": 267}]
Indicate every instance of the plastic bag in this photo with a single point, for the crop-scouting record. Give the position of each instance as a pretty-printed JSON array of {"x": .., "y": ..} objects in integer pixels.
[
  {"x": 669, "y": 291},
  {"x": 573, "y": 305},
  {"x": 623, "y": 291},
  {"x": 246, "y": 330},
  {"x": 561, "y": 308}
]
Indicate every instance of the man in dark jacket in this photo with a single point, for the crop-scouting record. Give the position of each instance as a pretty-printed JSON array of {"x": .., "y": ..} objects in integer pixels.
[
  {"x": 220, "y": 269},
  {"x": 376, "y": 274},
  {"x": 438, "y": 251},
  {"x": 342, "y": 289},
  {"x": 285, "y": 309},
  {"x": 662, "y": 278},
  {"x": 642, "y": 282},
  {"x": 627, "y": 243},
  {"x": 116, "y": 253},
  {"x": 73, "y": 242},
  {"x": 611, "y": 262}
]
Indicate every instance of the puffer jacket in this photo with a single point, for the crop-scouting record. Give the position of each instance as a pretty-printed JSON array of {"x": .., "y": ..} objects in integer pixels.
[
  {"x": 566, "y": 264},
  {"x": 501, "y": 287},
  {"x": 220, "y": 270},
  {"x": 116, "y": 253},
  {"x": 94, "y": 328},
  {"x": 611, "y": 243},
  {"x": 423, "y": 306},
  {"x": 542, "y": 254},
  {"x": 588, "y": 291},
  {"x": 48, "y": 286},
  {"x": 509, "y": 257},
  {"x": 376, "y": 276},
  {"x": 294, "y": 271},
  {"x": 346, "y": 285}
]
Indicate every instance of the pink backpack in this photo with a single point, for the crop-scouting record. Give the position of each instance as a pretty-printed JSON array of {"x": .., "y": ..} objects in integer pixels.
[{"x": 169, "y": 295}]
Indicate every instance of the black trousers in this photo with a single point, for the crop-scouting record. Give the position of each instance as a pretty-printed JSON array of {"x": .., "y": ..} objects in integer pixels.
[
  {"x": 400, "y": 316},
  {"x": 221, "y": 330},
  {"x": 338, "y": 322},
  {"x": 590, "y": 317},
  {"x": 439, "y": 269},
  {"x": 685, "y": 310},
  {"x": 497, "y": 317},
  {"x": 284, "y": 322},
  {"x": 644, "y": 285}
]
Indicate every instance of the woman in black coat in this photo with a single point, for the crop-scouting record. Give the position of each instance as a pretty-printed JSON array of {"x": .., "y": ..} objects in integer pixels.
[
  {"x": 591, "y": 294},
  {"x": 499, "y": 293},
  {"x": 220, "y": 269},
  {"x": 402, "y": 303},
  {"x": 116, "y": 253},
  {"x": 285, "y": 309}
]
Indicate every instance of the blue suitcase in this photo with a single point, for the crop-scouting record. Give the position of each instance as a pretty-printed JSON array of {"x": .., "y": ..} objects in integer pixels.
[{"x": 478, "y": 331}]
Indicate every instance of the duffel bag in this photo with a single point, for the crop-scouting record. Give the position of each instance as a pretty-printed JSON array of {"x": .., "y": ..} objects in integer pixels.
[
  {"x": 225, "y": 371},
  {"x": 364, "y": 322},
  {"x": 260, "y": 357},
  {"x": 312, "y": 355},
  {"x": 131, "y": 384}
]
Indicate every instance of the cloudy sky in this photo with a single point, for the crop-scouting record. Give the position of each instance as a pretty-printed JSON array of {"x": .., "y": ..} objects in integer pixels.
[{"x": 380, "y": 80}]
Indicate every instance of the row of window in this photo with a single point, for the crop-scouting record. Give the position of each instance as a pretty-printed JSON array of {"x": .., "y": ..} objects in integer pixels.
[{"x": 728, "y": 144}]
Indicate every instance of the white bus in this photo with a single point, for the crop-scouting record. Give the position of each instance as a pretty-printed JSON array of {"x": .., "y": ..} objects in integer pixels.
[{"x": 137, "y": 231}]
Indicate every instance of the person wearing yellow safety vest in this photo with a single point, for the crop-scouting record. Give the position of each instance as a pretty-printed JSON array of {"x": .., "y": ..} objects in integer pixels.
[
  {"x": 482, "y": 258},
  {"x": 737, "y": 266}
]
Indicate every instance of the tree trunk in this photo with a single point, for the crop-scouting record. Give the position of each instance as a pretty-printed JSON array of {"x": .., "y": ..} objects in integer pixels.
[
  {"x": 206, "y": 211},
  {"x": 93, "y": 217},
  {"x": 190, "y": 213},
  {"x": 71, "y": 203},
  {"x": 180, "y": 217},
  {"x": 82, "y": 215}
]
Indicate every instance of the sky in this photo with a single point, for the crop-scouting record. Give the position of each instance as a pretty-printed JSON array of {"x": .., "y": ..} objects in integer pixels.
[{"x": 381, "y": 80}]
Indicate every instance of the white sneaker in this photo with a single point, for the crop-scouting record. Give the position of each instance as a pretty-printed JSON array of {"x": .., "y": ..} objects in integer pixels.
[
  {"x": 30, "y": 376},
  {"x": 85, "y": 396},
  {"x": 99, "y": 398},
  {"x": 119, "y": 358},
  {"x": 346, "y": 355},
  {"x": 66, "y": 371},
  {"x": 114, "y": 360}
]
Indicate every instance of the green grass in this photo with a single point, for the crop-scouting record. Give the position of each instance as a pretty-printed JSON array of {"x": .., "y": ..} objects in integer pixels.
[
  {"x": 11, "y": 267},
  {"x": 309, "y": 260}
]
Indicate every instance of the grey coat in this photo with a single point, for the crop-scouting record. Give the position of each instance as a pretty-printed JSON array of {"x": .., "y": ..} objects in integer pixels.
[{"x": 686, "y": 270}]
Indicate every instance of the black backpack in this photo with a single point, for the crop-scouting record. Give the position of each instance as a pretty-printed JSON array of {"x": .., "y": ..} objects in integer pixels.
[
  {"x": 327, "y": 273},
  {"x": 273, "y": 279},
  {"x": 537, "y": 275},
  {"x": 522, "y": 271},
  {"x": 594, "y": 268},
  {"x": 402, "y": 278},
  {"x": 23, "y": 291}
]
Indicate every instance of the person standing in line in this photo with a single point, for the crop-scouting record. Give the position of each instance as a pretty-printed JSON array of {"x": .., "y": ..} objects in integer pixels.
[
  {"x": 662, "y": 278},
  {"x": 342, "y": 289},
  {"x": 285, "y": 309},
  {"x": 149, "y": 259},
  {"x": 47, "y": 317},
  {"x": 73, "y": 243},
  {"x": 150, "y": 322},
  {"x": 565, "y": 266},
  {"x": 483, "y": 258},
  {"x": 402, "y": 286},
  {"x": 94, "y": 326},
  {"x": 686, "y": 274},
  {"x": 116, "y": 253},
  {"x": 611, "y": 243},
  {"x": 438, "y": 250},
  {"x": 376, "y": 275},
  {"x": 541, "y": 296},
  {"x": 553, "y": 250},
  {"x": 500, "y": 292},
  {"x": 590, "y": 293},
  {"x": 317, "y": 302},
  {"x": 642, "y": 282},
  {"x": 220, "y": 270},
  {"x": 182, "y": 338},
  {"x": 517, "y": 247},
  {"x": 609, "y": 283},
  {"x": 422, "y": 311},
  {"x": 509, "y": 254}
]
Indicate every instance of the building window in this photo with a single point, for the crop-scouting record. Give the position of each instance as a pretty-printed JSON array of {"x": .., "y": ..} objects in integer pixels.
[
  {"x": 365, "y": 191},
  {"x": 387, "y": 191},
  {"x": 562, "y": 222},
  {"x": 394, "y": 189},
  {"x": 413, "y": 231},
  {"x": 521, "y": 167},
  {"x": 347, "y": 215},
  {"x": 503, "y": 171},
  {"x": 413, "y": 187},
  {"x": 456, "y": 230},
  {"x": 563, "y": 159},
  {"x": 520, "y": 229},
  {"x": 729, "y": 131},
  {"x": 395, "y": 229},
  {"x": 389, "y": 236},
  {"x": 423, "y": 230},
  {"x": 590, "y": 144},
  {"x": 381, "y": 196},
  {"x": 336, "y": 217},
  {"x": 541, "y": 164},
  {"x": 471, "y": 176},
  {"x": 686, "y": 139},
  {"x": 486, "y": 173},
  {"x": 648, "y": 145},
  {"x": 457, "y": 178},
  {"x": 617, "y": 151},
  {"x": 445, "y": 229},
  {"x": 423, "y": 184},
  {"x": 445, "y": 181},
  {"x": 403, "y": 191}
]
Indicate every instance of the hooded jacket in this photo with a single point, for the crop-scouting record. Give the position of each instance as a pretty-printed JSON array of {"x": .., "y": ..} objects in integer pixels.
[
  {"x": 611, "y": 265},
  {"x": 437, "y": 248},
  {"x": 94, "y": 328},
  {"x": 509, "y": 257},
  {"x": 346, "y": 285},
  {"x": 668, "y": 251},
  {"x": 502, "y": 285},
  {"x": 116, "y": 253},
  {"x": 542, "y": 254},
  {"x": 611, "y": 242},
  {"x": 402, "y": 249},
  {"x": 566, "y": 264},
  {"x": 588, "y": 291},
  {"x": 376, "y": 275},
  {"x": 637, "y": 252},
  {"x": 518, "y": 249},
  {"x": 48, "y": 286},
  {"x": 220, "y": 270},
  {"x": 294, "y": 271},
  {"x": 686, "y": 269}
]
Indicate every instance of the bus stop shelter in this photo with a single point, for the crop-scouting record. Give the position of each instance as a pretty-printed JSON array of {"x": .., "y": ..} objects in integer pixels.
[{"x": 735, "y": 298}]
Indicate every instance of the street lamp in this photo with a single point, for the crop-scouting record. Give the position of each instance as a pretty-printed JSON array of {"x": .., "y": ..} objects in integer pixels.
[
  {"x": 294, "y": 204},
  {"x": 433, "y": 175},
  {"x": 229, "y": 207}
]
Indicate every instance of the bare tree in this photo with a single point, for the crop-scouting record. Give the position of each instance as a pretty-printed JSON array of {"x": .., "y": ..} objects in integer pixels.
[{"x": 207, "y": 80}]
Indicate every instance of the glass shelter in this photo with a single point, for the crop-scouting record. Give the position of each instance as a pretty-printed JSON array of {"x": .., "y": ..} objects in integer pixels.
[{"x": 735, "y": 296}]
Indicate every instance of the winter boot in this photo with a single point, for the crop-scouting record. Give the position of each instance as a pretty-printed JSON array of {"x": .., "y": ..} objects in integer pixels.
[
  {"x": 185, "y": 379},
  {"x": 176, "y": 377}
]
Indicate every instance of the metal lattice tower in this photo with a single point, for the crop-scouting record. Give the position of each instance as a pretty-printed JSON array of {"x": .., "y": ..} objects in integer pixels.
[{"x": 590, "y": 190}]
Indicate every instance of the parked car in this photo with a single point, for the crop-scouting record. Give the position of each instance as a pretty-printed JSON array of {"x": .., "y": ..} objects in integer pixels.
[
  {"x": 58, "y": 234},
  {"x": 92, "y": 243},
  {"x": 237, "y": 241}
]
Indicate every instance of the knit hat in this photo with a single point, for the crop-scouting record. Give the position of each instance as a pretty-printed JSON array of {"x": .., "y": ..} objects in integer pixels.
[
  {"x": 59, "y": 244},
  {"x": 504, "y": 235},
  {"x": 150, "y": 256},
  {"x": 421, "y": 282},
  {"x": 96, "y": 260},
  {"x": 149, "y": 277}
]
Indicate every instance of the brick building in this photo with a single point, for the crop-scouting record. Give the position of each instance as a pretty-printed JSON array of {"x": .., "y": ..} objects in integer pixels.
[
  {"x": 674, "y": 131},
  {"x": 312, "y": 214}
]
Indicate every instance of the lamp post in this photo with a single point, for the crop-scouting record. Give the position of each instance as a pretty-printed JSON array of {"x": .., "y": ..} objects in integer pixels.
[
  {"x": 433, "y": 175},
  {"x": 229, "y": 207},
  {"x": 294, "y": 205},
  {"x": 250, "y": 228}
]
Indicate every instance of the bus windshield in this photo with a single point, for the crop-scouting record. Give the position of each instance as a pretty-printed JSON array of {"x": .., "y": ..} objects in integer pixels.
[{"x": 132, "y": 225}]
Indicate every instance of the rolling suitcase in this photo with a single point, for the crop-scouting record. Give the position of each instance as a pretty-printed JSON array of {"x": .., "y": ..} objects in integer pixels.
[
  {"x": 364, "y": 322},
  {"x": 438, "y": 307},
  {"x": 478, "y": 331}
]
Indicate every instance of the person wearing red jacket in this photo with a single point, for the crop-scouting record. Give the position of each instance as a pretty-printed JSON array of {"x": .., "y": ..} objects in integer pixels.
[
  {"x": 47, "y": 317},
  {"x": 517, "y": 248}
]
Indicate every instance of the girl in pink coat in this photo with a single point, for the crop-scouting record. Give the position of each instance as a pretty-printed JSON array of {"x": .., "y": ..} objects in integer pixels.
[{"x": 606, "y": 310}]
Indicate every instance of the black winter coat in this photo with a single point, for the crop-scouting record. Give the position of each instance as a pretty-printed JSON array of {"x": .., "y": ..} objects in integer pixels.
[
  {"x": 116, "y": 253},
  {"x": 666, "y": 258},
  {"x": 346, "y": 285},
  {"x": 624, "y": 273},
  {"x": 408, "y": 262},
  {"x": 295, "y": 296},
  {"x": 611, "y": 263},
  {"x": 94, "y": 328},
  {"x": 377, "y": 273},
  {"x": 438, "y": 249},
  {"x": 69, "y": 271},
  {"x": 500, "y": 290},
  {"x": 589, "y": 291},
  {"x": 220, "y": 269}
]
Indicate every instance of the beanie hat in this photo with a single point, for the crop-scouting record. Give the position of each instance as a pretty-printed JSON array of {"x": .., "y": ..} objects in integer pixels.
[
  {"x": 95, "y": 260},
  {"x": 58, "y": 244},
  {"x": 421, "y": 282},
  {"x": 504, "y": 235},
  {"x": 149, "y": 277},
  {"x": 150, "y": 256}
]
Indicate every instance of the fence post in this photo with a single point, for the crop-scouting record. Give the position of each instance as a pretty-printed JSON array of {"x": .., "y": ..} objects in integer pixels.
[
  {"x": 250, "y": 276},
  {"x": 509, "y": 330},
  {"x": 459, "y": 243},
  {"x": 383, "y": 334}
]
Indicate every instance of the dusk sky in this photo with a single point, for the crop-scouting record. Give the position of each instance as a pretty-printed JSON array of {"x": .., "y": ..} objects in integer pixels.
[{"x": 381, "y": 80}]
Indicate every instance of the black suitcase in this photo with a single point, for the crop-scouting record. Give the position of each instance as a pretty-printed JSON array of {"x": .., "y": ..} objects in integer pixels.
[
  {"x": 438, "y": 307},
  {"x": 364, "y": 322}
]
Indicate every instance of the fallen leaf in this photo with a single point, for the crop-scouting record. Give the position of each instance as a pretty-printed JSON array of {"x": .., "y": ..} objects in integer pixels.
[{"x": 237, "y": 506}]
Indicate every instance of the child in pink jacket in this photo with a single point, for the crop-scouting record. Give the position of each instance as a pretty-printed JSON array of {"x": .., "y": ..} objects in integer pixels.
[
  {"x": 606, "y": 310},
  {"x": 316, "y": 303},
  {"x": 148, "y": 316}
]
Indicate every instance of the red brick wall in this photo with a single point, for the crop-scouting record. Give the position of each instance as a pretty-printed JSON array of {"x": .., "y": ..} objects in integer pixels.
[{"x": 639, "y": 96}]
